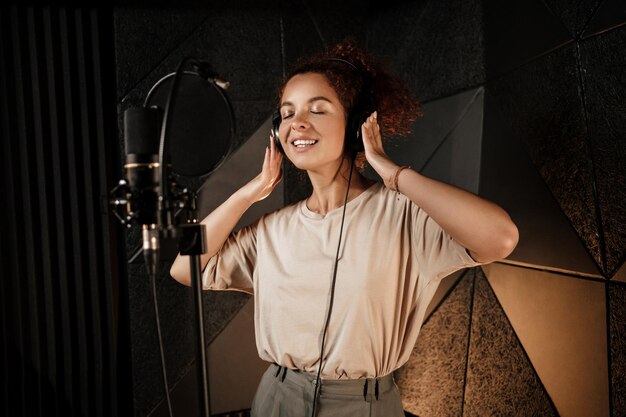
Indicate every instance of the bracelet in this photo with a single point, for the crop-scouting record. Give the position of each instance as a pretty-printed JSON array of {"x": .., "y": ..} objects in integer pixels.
[{"x": 395, "y": 177}]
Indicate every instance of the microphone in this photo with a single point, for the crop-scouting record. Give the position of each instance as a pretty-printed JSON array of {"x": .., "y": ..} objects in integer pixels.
[{"x": 142, "y": 127}]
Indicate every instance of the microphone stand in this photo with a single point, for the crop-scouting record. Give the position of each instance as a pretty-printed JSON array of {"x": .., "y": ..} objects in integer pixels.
[
  {"x": 190, "y": 236},
  {"x": 193, "y": 244}
]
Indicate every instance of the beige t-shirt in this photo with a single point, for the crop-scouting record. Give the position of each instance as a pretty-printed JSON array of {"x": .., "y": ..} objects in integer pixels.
[{"x": 392, "y": 257}]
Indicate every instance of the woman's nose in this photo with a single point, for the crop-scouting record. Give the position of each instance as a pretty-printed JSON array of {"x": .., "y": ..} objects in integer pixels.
[{"x": 299, "y": 123}]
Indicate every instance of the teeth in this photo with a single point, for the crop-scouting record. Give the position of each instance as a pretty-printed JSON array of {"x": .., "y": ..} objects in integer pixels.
[{"x": 304, "y": 142}]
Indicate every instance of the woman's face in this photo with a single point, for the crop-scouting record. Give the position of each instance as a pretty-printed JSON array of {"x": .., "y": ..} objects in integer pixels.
[{"x": 313, "y": 122}]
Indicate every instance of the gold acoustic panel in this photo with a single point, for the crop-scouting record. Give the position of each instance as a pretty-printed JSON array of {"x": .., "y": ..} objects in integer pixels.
[{"x": 561, "y": 323}]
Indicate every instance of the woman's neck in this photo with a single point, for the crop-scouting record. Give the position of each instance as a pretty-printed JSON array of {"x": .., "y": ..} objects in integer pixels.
[{"x": 329, "y": 188}]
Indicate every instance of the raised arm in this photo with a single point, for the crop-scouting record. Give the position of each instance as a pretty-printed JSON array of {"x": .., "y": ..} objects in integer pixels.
[
  {"x": 221, "y": 222},
  {"x": 479, "y": 225}
]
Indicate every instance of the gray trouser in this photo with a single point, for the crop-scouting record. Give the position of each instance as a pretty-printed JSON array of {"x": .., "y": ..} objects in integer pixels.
[{"x": 286, "y": 393}]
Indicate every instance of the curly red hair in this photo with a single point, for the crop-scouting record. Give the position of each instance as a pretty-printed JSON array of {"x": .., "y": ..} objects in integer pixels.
[{"x": 396, "y": 107}]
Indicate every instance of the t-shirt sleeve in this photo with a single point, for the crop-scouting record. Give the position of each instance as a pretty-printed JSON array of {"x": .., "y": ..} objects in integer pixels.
[
  {"x": 438, "y": 254},
  {"x": 232, "y": 267}
]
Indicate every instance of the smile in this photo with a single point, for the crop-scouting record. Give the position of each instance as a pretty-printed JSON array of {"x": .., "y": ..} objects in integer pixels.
[{"x": 302, "y": 143}]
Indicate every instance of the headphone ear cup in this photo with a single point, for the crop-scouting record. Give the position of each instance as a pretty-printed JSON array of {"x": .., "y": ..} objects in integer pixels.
[
  {"x": 276, "y": 119},
  {"x": 363, "y": 109},
  {"x": 354, "y": 140}
]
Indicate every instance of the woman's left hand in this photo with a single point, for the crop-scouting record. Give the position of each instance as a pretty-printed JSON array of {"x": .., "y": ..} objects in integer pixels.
[{"x": 374, "y": 152}]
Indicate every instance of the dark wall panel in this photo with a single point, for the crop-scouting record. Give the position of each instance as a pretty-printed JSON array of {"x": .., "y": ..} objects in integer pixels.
[
  {"x": 438, "y": 49},
  {"x": 574, "y": 15},
  {"x": 60, "y": 287},
  {"x": 609, "y": 15},
  {"x": 509, "y": 178},
  {"x": 516, "y": 32},
  {"x": 314, "y": 26},
  {"x": 604, "y": 87},
  {"x": 542, "y": 103},
  {"x": 166, "y": 27}
]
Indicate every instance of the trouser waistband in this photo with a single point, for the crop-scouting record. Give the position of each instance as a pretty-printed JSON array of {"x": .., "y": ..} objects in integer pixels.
[{"x": 367, "y": 387}]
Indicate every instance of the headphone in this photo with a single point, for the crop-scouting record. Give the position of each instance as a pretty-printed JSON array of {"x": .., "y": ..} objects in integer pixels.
[{"x": 364, "y": 106}]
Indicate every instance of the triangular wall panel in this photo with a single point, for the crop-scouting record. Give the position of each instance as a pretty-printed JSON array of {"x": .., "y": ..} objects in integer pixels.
[
  {"x": 620, "y": 275},
  {"x": 431, "y": 382},
  {"x": 505, "y": 22},
  {"x": 509, "y": 178},
  {"x": 443, "y": 291},
  {"x": 500, "y": 378},
  {"x": 610, "y": 15},
  {"x": 542, "y": 104},
  {"x": 234, "y": 362},
  {"x": 435, "y": 46},
  {"x": 602, "y": 61},
  {"x": 617, "y": 318},
  {"x": 243, "y": 165},
  {"x": 574, "y": 14},
  {"x": 446, "y": 141},
  {"x": 457, "y": 159},
  {"x": 561, "y": 323},
  {"x": 163, "y": 29}
]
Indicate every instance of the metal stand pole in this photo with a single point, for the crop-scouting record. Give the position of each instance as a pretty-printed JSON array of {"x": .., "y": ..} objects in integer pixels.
[{"x": 192, "y": 243}]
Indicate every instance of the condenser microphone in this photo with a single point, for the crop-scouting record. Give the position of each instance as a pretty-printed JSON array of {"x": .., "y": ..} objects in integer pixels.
[{"x": 142, "y": 128}]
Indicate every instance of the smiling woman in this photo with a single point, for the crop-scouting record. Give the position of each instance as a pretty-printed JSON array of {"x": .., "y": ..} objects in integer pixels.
[
  {"x": 313, "y": 123},
  {"x": 342, "y": 279}
]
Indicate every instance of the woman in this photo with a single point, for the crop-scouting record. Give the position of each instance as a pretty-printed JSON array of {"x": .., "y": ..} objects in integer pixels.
[{"x": 342, "y": 279}]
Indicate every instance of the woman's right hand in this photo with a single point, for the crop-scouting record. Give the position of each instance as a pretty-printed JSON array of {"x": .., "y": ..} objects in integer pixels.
[
  {"x": 221, "y": 221},
  {"x": 263, "y": 184}
]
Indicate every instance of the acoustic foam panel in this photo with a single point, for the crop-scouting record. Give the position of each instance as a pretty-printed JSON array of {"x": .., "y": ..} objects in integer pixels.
[
  {"x": 405, "y": 17},
  {"x": 617, "y": 319},
  {"x": 561, "y": 324},
  {"x": 444, "y": 289},
  {"x": 312, "y": 27},
  {"x": 163, "y": 29},
  {"x": 611, "y": 14},
  {"x": 431, "y": 382},
  {"x": 441, "y": 48},
  {"x": 457, "y": 159},
  {"x": 500, "y": 378},
  {"x": 603, "y": 59},
  {"x": 446, "y": 141},
  {"x": 574, "y": 15},
  {"x": 234, "y": 364},
  {"x": 440, "y": 119},
  {"x": 176, "y": 313},
  {"x": 517, "y": 32},
  {"x": 346, "y": 19},
  {"x": 541, "y": 102},
  {"x": 509, "y": 179},
  {"x": 620, "y": 275}
]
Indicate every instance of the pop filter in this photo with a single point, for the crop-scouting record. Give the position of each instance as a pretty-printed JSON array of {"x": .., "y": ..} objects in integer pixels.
[{"x": 202, "y": 125}]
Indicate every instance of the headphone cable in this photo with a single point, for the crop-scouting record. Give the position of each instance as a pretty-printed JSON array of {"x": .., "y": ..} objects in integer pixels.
[{"x": 332, "y": 294}]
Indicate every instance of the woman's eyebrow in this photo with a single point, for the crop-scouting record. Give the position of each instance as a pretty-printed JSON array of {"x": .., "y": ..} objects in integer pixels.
[{"x": 311, "y": 100}]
